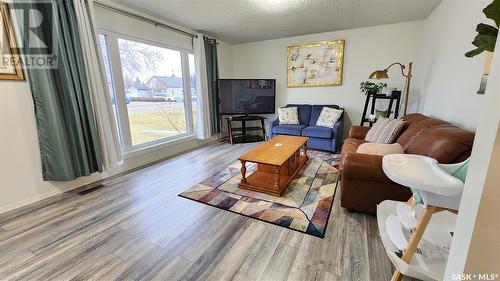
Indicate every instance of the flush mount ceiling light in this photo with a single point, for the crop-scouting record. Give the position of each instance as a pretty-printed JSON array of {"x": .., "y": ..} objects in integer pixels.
[
  {"x": 276, "y": 2},
  {"x": 276, "y": 6}
]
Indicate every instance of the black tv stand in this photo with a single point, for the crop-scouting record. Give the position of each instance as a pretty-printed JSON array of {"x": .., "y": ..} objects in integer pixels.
[{"x": 244, "y": 134}]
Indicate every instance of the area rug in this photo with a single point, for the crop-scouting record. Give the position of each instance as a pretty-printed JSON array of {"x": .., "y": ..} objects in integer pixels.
[{"x": 304, "y": 206}]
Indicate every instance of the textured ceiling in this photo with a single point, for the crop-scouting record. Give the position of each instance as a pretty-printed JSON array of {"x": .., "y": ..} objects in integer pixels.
[{"x": 239, "y": 21}]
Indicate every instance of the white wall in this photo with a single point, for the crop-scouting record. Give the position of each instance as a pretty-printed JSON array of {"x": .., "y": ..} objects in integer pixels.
[
  {"x": 366, "y": 49},
  {"x": 225, "y": 59},
  {"x": 132, "y": 27},
  {"x": 487, "y": 225},
  {"x": 447, "y": 80},
  {"x": 481, "y": 159},
  {"x": 448, "y": 90},
  {"x": 444, "y": 82}
]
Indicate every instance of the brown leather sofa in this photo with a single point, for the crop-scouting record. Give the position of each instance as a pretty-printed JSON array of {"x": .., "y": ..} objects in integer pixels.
[{"x": 363, "y": 183}]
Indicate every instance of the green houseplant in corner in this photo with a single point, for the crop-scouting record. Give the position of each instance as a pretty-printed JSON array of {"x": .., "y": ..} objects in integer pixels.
[
  {"x": 370, "y": 88},
  {"x": 487, "y": 34}
]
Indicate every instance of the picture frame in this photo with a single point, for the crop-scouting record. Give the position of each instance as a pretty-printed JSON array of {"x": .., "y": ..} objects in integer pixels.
[
  {"x": 8, "y": 49},
  {"x": 316, "y": 64}
]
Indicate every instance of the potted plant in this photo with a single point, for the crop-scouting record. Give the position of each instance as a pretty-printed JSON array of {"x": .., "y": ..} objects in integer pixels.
[
  {"x": 370, "y": 88},
  {"x": 486, "y": 34}
]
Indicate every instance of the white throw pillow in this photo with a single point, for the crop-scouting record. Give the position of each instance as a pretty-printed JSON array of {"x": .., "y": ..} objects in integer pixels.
[
  {"x": 385, "y": 130},
  {"x": 328, "y": 117},
  {"x": 288, "y": 115},
  {"x": 381, "y": 149}
]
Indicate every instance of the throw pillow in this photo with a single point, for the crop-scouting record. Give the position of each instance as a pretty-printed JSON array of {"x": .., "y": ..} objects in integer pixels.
[
  {"x": 328, "y": 117},
  {"x": 381, "y": 149},
  {"x": 385, "y": 130},
  {"x": 288, "y": 115}
]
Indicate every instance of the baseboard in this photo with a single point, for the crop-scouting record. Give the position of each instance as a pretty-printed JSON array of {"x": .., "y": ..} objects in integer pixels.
[
  {"x": 31, "y": 200},
  {"x": 112, "y": 174}
]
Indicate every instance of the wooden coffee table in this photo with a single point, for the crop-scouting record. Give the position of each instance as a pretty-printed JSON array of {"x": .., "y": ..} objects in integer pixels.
[{"x": 278, "y": 161}]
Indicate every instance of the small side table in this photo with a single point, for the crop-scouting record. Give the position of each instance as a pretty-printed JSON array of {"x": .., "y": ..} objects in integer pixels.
[
  {"x": 439, "y": 190},
  {"x": 241, "y": 134},
  {"x": 371, "y": 121},
  {"x": 394, "y": 99}
]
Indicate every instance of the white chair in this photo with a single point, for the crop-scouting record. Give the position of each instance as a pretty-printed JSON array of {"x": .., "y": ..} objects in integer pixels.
[{"x": 434, "y": 183}]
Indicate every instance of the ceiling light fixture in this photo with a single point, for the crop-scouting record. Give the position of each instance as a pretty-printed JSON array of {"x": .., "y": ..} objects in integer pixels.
[{"x": 277, "y": 6}]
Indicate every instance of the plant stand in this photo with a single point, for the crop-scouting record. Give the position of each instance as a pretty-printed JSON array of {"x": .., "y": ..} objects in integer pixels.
[{"x": 394, "y": 97}]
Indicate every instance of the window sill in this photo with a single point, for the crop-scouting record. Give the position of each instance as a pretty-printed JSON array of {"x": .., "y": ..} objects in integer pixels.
[{"x": 157, "y": 146}]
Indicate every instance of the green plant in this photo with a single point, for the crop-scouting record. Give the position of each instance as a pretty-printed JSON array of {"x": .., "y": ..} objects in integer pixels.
[
  {"x": 369, "y": 87},
  {"x": 487, "y": 34}
]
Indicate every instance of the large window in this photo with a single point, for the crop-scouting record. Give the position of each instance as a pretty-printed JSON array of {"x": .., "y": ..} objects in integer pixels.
[
  {"x": 194, "y": 93},
  {"x": 152, "y": 88},
  {"x": 107, "y": 67}
]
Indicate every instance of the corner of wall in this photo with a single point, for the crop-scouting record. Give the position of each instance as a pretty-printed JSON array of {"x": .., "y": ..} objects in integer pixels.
[
  {"x": 486, "y": 133},
  {"x": 445, "y": 87},
  {"x": 226, "y": 60}
]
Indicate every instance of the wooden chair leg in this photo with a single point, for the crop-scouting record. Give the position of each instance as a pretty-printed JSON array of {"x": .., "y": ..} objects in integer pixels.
[
  {"x": 411, "y": 202},
  {"x": 417, "y": 233},
  {"x": 397, "y": 276},
  {"x": 415, "y": 239}
]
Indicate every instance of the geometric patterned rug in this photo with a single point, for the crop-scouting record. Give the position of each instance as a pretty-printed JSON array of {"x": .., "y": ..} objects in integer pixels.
[{"x": 304, "y": 206}]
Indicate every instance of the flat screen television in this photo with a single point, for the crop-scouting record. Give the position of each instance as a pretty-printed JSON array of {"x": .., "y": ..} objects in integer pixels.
[{"x": 246, "y": 96}]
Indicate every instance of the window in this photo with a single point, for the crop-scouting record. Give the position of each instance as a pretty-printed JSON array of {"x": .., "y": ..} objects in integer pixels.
[
  {"x": 194, "y": 93},
  {"x": 152, "y": 100},
  {"x": 154, "y": 91},
  {"x": 107, "y": 67}
]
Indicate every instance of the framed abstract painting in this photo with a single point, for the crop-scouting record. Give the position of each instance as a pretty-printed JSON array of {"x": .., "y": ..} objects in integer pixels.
[
  {"x": 10, "y": 69},
  {"x": 315, "y": 64}
]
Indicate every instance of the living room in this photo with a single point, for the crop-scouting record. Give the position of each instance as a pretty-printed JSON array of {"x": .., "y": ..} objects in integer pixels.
[{"x": 115, "y": 167}]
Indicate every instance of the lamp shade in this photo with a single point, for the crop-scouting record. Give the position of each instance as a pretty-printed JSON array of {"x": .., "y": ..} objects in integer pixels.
[{"x": 379, "y": 74}]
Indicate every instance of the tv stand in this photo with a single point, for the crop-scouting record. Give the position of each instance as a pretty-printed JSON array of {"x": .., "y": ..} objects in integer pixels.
[{"x": 243, "y": 134}]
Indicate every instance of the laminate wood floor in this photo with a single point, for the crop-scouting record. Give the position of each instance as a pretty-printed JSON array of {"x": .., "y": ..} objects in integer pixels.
[{"x": 135, "y": 227}]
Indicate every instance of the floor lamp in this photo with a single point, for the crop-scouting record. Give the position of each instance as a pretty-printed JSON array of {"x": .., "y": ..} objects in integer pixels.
[{"x": 382, "y": 74}]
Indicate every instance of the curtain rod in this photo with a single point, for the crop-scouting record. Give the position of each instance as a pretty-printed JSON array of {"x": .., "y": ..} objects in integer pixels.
[{"x": 136, "y": 16}]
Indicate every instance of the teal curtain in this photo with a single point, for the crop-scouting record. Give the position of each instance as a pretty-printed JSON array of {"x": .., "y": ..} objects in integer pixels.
[
  {"x": 212, "y": 77},
  {"x": 67, "y": 130}
]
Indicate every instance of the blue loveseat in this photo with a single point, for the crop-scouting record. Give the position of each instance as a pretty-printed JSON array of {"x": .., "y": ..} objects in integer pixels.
[{"x": 320, "y": 138}]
